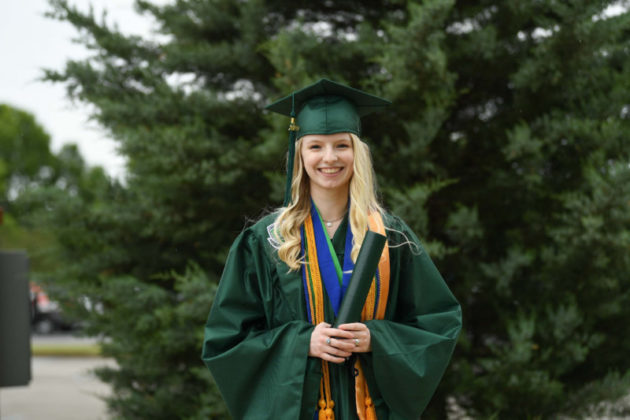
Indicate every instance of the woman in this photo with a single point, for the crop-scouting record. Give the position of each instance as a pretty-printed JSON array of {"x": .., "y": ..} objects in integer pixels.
[{"x": 269, "y": 340}]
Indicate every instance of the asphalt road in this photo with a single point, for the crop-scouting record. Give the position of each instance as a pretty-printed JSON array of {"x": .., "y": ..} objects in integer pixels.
[{"x": 62, "y": 388}]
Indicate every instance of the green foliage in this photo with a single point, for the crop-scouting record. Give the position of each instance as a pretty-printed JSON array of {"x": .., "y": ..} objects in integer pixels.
[
  {"x": 604, "y": 398},
  {"x": 39, "y": 243},
  {"x": 506, "y": 149},
  {"x": 150, "y": 330},
  {"x": 27, "y": 166},
  {"x": 24, "y": 151},
  {"x": 545, "y": 164}
]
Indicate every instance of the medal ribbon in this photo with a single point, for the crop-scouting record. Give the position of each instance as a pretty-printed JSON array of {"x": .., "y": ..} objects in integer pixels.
[{"x": 335, "y": 280}]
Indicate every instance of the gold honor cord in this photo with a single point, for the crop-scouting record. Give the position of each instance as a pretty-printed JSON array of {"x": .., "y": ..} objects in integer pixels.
[
  {"x": 374, "y": 308},
  {"x": 326, "y": 403},
  {"x": 365, "y": 405}
]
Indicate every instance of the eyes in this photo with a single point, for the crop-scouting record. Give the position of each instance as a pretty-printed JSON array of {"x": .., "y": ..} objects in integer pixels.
[{"x": 317, "y": 146}]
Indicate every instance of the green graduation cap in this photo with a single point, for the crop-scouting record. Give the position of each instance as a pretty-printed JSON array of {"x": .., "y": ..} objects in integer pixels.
[{"x": 325, "y": 107}]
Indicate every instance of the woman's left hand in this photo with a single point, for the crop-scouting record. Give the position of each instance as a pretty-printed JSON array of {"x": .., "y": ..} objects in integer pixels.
[{"x": 362, "y": 341}]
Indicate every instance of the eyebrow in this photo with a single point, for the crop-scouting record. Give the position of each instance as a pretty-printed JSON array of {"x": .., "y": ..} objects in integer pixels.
[
  {"x": 318, "y": 140},
  {"x": 334, "y": 140}
]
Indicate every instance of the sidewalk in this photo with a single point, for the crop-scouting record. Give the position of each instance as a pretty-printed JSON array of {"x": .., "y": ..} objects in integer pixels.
[{"x": 61, "y": 388}]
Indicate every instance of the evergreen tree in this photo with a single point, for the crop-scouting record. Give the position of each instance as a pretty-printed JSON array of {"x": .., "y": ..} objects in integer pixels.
[
  {"x": 504, "y": 150},
  {"x": 537, "y": 143}
]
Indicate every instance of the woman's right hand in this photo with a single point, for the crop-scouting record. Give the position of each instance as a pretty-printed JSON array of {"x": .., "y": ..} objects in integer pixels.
[{"x": 326, "y": 346}]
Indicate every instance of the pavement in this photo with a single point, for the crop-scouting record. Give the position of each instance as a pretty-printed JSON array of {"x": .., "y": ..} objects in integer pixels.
[
  {"x": 61, "y": 388},
  {"x": 61, "y": 338}
]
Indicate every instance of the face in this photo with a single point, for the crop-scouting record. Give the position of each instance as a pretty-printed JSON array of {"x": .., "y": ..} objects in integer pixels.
[{"x": 328, "y": 160}]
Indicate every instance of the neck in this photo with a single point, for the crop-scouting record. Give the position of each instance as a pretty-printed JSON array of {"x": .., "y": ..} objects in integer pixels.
[{"x": 331, "y": 204}]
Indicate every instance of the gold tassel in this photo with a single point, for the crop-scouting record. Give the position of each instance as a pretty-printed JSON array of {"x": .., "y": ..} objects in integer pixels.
[
  {"x": 330, "y": 414},
  {"x": 293, "y": 126},
  {"x": 326, "y": 410},
  {"x": 322, "y": 409},
  {"x": 325, "y": 403}
]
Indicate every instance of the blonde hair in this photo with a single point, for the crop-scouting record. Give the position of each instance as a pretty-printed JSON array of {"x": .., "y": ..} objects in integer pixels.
[{"x": 362, "y": 202}]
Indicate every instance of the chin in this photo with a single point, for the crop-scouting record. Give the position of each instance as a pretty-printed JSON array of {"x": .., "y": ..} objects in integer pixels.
[{"x": 331, "y": 186}]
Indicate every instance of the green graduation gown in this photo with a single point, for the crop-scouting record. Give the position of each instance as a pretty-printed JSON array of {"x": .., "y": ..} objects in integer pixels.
[{"x": 257, "y": 335}]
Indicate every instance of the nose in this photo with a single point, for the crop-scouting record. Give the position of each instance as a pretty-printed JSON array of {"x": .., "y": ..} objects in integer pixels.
[{"x": 329, "y": 154}]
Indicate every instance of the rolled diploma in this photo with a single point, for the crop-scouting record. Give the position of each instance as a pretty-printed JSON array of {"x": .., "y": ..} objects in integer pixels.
[{"x": 361, "y": 279}]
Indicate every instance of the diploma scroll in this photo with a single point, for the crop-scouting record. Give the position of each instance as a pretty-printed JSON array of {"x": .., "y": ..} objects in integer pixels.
[{"x": 361, "y": 279}]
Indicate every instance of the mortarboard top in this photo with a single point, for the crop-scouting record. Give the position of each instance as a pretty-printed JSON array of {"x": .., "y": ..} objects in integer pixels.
[{"x": 325, "y": 107}]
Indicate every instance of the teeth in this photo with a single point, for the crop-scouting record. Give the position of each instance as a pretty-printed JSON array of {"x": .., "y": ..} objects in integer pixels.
[{"x": 330, "y": 170}]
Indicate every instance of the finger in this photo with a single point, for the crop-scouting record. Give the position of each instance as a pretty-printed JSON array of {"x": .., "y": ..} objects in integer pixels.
[
  {"x": 355, "y": 346},
  {"x": 339, "y": 343},
  {"x": 334, "y": 351},
  {"x": 344, "y": 345},
  {"x": 354, "y": 326},
  {"x": 322, "y": 325},
  {"x": 337, "y": 333},
  {"x": 338, "y": 352},
  {"x": 329, "y": 341}
]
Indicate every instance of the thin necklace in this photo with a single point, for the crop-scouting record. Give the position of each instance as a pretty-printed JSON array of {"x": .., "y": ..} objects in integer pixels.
[{"x": 329, "y": 223}]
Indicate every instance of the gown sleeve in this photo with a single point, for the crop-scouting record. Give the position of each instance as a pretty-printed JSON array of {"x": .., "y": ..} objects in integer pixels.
[
  {"x": 260, "y": 365},
  {"x": 413, "y": 345}
]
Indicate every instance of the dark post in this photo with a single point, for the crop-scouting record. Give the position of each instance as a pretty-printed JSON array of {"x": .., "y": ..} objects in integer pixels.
[{"x": 15, "y": 320}]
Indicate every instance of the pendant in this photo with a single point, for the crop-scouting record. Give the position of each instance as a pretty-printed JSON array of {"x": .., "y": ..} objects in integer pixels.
[{"x": 329, "y": 224}]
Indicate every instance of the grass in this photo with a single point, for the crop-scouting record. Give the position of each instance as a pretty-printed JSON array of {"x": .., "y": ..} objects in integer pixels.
[{"x": 68, "y": 350}]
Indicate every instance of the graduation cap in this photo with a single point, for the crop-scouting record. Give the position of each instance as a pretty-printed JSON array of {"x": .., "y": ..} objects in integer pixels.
[{"x": 325, "y": 107}]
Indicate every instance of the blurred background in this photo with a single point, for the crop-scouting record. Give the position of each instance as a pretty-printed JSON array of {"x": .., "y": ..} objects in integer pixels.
[{"x": 134, "y": 147}]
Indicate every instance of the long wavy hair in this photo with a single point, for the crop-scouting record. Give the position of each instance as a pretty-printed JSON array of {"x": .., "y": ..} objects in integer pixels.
[{"x": 362, "y": 202}]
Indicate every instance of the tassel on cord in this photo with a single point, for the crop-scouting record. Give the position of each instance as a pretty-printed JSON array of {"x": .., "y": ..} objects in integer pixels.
[
  {"x": 330, "y": 414},
  {"x": 330, "y": 404},
  {"x": 293, "y": 129},
  {"x": 325, "y": 403},
  {"x": 322, "y": 409},
  {"x": 365, "y": 405}
]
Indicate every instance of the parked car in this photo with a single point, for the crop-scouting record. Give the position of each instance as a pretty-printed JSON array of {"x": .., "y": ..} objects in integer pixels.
[{"x": 46, "y": 316}]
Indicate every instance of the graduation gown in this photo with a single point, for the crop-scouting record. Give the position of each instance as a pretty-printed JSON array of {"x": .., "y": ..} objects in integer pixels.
[{"x": 257, "y": 335}]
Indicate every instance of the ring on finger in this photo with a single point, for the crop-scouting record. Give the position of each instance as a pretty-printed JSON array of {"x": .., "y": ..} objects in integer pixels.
[
  {"x": 328, "y": 341},
  {"x": 356, "y": 342}
]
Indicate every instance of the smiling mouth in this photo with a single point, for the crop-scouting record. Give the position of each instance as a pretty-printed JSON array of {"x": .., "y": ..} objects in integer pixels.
[{"x": 330, "y": 170}]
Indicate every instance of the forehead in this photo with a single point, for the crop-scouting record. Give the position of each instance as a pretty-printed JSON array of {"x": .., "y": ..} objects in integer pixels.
[{"x": 326, "y": 137}]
